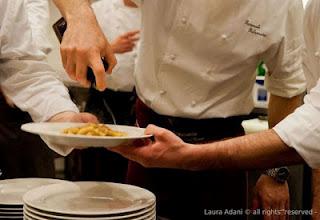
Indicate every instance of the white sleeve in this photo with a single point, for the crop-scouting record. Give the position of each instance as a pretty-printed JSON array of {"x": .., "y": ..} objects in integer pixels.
[
  {"x": 311, "y": 54},
  {"x": 38, "y": 14},
  {"x": 301, "y": 129},
  {"x": 286, "y": 78},
  {"x": 25, "y": 77}
]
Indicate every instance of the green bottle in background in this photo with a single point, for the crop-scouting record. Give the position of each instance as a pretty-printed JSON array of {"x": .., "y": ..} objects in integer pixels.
[
  {"x": 260, "y": 92},
  {"x": 261, "y": 69}
]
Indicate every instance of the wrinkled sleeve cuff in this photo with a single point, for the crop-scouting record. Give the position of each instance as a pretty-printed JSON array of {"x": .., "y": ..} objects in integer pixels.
[
  {"x": 287, "y": 87},
  {"x": 59, "y": 106},
  {"x": 301, "y": 131}
]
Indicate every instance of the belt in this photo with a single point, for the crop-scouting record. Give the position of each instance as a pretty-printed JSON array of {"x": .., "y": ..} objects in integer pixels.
[
  {"x": 191, "y": 130},
  {"x": 112, "y": 93}
]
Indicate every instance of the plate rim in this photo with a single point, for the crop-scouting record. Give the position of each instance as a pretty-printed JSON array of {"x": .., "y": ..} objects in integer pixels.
[
  {"x": 27, "y": 200},
  {"x": 9, "y": 205},
  {"x": 25, "y": 126},
  {"x": 141, "y": 213}
]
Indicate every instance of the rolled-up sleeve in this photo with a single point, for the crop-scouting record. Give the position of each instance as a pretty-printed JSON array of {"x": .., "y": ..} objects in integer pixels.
[
  {"x": 301, "y": 129},
  {"x": 286, "y": 77},
  {"x": 32, "y": 88},
  {"x": 26, "y": 78}
]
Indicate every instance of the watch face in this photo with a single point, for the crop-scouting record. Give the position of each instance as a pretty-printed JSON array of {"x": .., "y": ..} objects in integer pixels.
[{"x": 282, "y": 174}]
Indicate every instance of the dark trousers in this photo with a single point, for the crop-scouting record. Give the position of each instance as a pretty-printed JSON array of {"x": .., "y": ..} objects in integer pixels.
[
  {"x": 21, "y": 154},
  {"x": 99, "y": 163},
  {"x": 186, "y": 194}
]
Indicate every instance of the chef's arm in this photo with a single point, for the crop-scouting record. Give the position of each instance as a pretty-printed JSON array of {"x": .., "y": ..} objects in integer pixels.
[
  {"x": 268, "y": 191},
  {"x": 73, "y": 8},
  {"x": 84, "y": 43},
  {"x": 280, "y": 107},
  {"x": 255, "y": 151},
  {"x": 130, "y": 3}
]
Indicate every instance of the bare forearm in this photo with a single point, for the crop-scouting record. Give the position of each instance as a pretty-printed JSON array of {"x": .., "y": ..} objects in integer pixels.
[
  {"x": 130, "y": 3},
  {"x": 261, "y": 150},
  {"x": 280, "y": 107},
  {"x": 70, "y": 9}
]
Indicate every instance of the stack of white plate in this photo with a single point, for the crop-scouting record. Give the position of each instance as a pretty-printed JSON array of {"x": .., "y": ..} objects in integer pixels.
[
  {"x": 12, "y": 191},
  {"x": 89, "y": 200},
  {"x": 11, "y": 212}
]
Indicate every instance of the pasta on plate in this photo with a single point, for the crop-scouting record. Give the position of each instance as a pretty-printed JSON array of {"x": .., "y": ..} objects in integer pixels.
[{"x": 94, "y": 130}]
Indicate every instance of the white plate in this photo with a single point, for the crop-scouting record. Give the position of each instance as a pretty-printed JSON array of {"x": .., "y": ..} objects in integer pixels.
[
  {"x": 53, "y": 133},
  {"x": 39, "y": 217},
  {"x": 12, "y": 190},
  {"x": 11, "y": 217},
  {"x": 11, "y": 213},
  {"x": 40, "y": 213},
  {"x": 29, "y": 216},
  {"x": 11, "y": 209},
  {"x": 89, "y": 198}
]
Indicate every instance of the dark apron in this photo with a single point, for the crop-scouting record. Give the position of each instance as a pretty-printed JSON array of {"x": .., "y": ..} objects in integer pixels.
[
  {"x": 21, "y": 154},
  {"x": 99, "y": 164},
  {"x": 188, "y": 194}
]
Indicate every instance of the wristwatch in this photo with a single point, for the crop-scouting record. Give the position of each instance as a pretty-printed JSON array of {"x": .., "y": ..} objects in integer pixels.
[{"x": 280, "y": 174}]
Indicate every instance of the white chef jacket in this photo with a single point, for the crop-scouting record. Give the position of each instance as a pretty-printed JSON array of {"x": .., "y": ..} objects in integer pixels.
[
  {"x": 301, "y": 130},
  {"x": 25, "y": 76},
  {"x": 198, "y": 58},
  {"x": 116, "y": 19},
  {"x": 38, "y": 14}
]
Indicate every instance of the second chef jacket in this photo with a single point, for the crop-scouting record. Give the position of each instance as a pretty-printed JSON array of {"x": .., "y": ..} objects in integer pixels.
[{"x": 25, "y": 76}]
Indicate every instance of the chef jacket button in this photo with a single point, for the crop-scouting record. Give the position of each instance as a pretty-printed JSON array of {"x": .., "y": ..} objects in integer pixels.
[
  {"x": 172, "y": 57},
  {"x": 317, "y": 54},
  {"x": 135, "y": 55},
  {"x": 184, "y": 20},
  {"x": 162, "y": 92},
  {"x": 193, "y": 103},
  {"x": 224, "y": 36}
]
